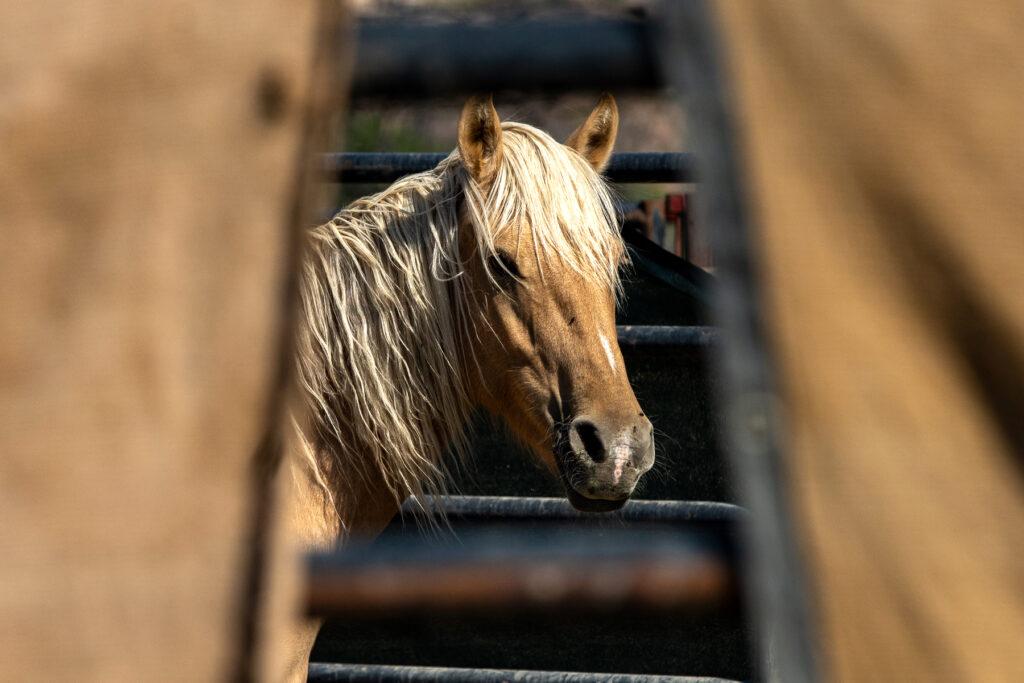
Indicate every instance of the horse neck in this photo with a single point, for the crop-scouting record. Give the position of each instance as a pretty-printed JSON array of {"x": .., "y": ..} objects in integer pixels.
[{"x": 380, "y": 360}]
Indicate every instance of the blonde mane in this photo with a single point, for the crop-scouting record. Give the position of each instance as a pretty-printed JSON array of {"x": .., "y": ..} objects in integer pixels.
[{"x": 380, "y": 362}]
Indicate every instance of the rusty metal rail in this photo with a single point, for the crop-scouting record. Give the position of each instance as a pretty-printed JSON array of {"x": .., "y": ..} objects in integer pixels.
[
  {"x": 495, "y": 570},
  {"x": 535, "y": 555}
]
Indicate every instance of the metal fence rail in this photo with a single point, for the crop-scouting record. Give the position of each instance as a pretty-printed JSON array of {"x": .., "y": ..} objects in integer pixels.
[
  {"x": 666, "y": 336},
  {"x": 517, "y": 509},
  {"x": 412, "y": 60},
  {"x": 386, "y": 167},
  {"x": 379, "y": 673},
  {"x": 499, "y": 570},
  {"x": 535, "y": 555}
]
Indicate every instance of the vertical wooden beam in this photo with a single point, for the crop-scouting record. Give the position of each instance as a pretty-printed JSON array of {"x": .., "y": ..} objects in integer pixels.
[
  {"x": 884, "y": 150},
  {"x": 144, "y": 283}
]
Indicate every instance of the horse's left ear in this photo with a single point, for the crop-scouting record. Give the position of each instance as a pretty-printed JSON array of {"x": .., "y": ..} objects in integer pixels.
[{"x": 595, "y": 137}]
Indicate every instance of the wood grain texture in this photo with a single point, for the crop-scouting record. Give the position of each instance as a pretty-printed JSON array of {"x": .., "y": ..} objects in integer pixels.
[
  {"x": 143, "y": 280},
  {"x": 884, "y": 149}
]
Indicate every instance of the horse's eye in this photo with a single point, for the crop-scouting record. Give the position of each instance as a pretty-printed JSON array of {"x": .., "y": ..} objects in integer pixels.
[{"x": 503, "y": 267}]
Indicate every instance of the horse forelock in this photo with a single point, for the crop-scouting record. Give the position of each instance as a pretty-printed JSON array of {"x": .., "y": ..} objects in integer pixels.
[
  {"x": 379, "y": 360},
  {"x": 545, "y": 187}
]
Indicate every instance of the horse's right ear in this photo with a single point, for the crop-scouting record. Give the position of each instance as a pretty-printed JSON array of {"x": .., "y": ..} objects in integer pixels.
[
  {"x": 480, "y": 139},
  {"x": 595, "y": 137}
]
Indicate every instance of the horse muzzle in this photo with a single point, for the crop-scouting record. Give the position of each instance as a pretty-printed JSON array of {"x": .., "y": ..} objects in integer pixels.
[{"x": 601, "y": 460}]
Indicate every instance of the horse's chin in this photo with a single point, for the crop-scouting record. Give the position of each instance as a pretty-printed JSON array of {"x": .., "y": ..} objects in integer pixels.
[
  {"x": 584, "y": 504},
  {"x": 581, "y": 502}
]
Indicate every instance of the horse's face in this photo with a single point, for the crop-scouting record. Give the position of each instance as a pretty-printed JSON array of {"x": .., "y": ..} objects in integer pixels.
[{"x": 545, "y": 343}]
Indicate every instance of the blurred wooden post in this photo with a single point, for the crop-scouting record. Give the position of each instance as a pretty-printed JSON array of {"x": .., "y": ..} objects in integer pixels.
[
  {"x": 884, "y": 147},
  {"x": 143, "y": 283}
]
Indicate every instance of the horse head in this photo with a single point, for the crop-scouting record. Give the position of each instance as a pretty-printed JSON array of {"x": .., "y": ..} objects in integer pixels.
[{"x": 542, "y": 281}]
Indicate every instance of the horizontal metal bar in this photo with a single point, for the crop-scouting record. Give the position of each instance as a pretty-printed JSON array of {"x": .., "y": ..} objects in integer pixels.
[
  {"x": 408, "y": 60},
  {"x": 382, "y": 673},
  {"x": 386, "y": 167},
  {"x": 493, "y": 569},
  {"x": 515, "y": 508},
  {"x": 652, "y": 167},
  {"x": 373, "y": 167},
  {"x": 666, "y": 336}
]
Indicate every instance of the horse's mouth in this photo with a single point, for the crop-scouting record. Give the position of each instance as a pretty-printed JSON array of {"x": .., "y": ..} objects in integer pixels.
[
  {"x": 584, "y": 504},
  {"x": 577, "y": 499}
]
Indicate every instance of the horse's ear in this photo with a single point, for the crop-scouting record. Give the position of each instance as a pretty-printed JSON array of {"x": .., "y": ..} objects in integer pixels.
[
  {"x": 480, "y": 139},
  {"x": 595, "y": 137}
]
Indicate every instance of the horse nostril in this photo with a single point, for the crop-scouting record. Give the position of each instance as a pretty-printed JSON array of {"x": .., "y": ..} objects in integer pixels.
[{"x": 591, "y": 440}]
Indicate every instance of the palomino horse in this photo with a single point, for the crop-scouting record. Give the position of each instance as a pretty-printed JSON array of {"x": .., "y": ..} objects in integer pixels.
[{"x": 489, "y": 281}]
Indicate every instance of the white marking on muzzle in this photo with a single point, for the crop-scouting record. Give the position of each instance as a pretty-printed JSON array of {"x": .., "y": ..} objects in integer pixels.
[
  {"x": 620, "y": 456},
  {"x": 607, "y": 351}
]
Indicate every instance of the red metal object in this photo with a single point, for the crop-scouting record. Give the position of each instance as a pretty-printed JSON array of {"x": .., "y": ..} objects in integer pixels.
[
  {"x": 669, "y": 223},
  {"x": 698, "y": 242},
  {"x": 676, "y": 214},
  {"x": 675, "y": 205}
]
